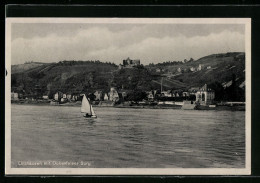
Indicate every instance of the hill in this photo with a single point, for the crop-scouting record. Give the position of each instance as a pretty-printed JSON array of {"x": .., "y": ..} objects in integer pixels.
[
  {"x": 26, "y": 66},
  {"x": 213, "y": 68},
  {"x": 217, "y": 70},
  {"x": 66, "y": 76}
]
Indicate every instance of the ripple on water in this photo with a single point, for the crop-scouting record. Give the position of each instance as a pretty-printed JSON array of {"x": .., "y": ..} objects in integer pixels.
[{"x": 155, "y": 138}]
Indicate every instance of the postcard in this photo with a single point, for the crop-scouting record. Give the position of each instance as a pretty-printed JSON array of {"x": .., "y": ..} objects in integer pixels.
[{"x": 128, "y": 96}]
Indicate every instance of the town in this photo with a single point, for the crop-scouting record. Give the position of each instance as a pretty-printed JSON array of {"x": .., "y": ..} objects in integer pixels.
[{"x": 203, "y": 96}]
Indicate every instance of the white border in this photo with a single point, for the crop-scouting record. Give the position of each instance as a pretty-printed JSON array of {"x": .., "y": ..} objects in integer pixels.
[{"x": 128, "y": 171}]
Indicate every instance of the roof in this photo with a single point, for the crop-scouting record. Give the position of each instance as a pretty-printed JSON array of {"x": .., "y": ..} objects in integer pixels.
[
  {"x": 205, "y": 88},
  {"x": 194, "y": 89},
  {"x": 59, "y": 92}
]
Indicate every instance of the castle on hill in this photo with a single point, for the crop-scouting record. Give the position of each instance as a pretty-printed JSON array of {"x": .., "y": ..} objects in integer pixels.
[{"x": 129, "y": 63}]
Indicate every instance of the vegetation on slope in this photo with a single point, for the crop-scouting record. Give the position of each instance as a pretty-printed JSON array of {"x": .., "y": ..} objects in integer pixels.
[{"x": 89, "y": 76}]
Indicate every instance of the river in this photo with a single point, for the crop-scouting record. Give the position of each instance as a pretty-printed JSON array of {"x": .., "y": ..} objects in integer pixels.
[{"x": 126, "y": 138}]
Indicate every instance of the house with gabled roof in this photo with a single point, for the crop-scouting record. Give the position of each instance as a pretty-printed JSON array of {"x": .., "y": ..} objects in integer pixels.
[{"x": 205, "y": 95}]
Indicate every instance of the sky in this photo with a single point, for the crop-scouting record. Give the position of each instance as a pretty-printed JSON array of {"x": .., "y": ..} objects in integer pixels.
[{"x": 151, "y": 43}]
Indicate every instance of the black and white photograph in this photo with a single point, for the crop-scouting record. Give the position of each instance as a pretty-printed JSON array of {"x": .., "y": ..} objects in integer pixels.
[{"x": 128, "y": 96}]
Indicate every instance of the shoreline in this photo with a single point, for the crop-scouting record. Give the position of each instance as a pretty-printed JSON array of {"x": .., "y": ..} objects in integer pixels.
[{"x": 174, "y": 107}]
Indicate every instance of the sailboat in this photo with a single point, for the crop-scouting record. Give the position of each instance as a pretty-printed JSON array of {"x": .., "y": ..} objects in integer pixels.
[{"x": 87, "y": 108}]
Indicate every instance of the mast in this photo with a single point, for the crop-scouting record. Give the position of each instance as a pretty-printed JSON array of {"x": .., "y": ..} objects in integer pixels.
[
  {"x": 161, "y": 84},
  {"x": 92, "y": 110},
  {"x": 89, "y": 107}
]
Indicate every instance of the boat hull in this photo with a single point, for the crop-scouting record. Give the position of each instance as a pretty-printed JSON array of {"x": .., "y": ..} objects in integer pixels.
[
  {"x": 90, "y": 116},
  {"x": 189, "y": 107}
]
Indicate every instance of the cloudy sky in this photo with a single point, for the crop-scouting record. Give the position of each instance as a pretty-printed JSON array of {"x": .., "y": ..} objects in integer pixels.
[{"x": 151, "y": 43}]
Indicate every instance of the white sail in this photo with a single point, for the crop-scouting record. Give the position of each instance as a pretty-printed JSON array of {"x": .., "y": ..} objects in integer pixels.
[
  {"x": 85, "y": 106},
  {"x": 92, "y": 111}
]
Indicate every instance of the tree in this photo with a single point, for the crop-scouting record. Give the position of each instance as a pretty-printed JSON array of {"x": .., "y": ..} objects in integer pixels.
[
  {"x": 234, "y": 92},
  {"x": 136, "y": 95},
  {"x": 91, "y": 96}
]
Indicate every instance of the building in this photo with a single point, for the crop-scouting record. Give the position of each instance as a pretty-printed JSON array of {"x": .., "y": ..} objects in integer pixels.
[
  {"x": 37, "y": 92},
  {"x": 98, "y": 95},
  {"x": 14, "y": 96},
  {"x": 242, "y": 85},
  {"x": 227, "y": 84},
  {"x": 179, "y": 69},
  {"x": 205, "y": 95},
  {"x": 69, "y": 96},
  {"x": 200, "y": 67},
  {"x": 177, "y": 93},
  {"x": 166, "y": 93},
  {"x": 106, "y": 97},
  {"x": 58, "y": 95},
  {"x": 193, "y": 90},
  {"x": 45, "y": 97},
  {"x": 63, "y": 99},
  {"x": 123, "y": 93},
  {"x": 129, "y": 63},
  {"x": 192, "y": 69},
  {"x": 150, "y": 96},
  {"x": 209, "y": 67},
  {"x": 20, "y": 95},
  {"x": 75, "y": 97},
  {"x": 158, "y": 70},
  {"x": 185, "y": 94},
  {"x": 113, "y": 95},
  {"x": 64, "y": 95}
]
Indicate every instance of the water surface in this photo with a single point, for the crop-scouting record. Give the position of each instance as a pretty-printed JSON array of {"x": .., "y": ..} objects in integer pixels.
[{"x": 130, "y": 138}]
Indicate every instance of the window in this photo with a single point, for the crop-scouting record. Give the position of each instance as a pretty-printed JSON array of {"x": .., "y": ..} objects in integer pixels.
[{"x": 203, "y": 97}]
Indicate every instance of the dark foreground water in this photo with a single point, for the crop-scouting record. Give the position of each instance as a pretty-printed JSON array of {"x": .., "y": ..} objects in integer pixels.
[{"x": 55, "y": 136}]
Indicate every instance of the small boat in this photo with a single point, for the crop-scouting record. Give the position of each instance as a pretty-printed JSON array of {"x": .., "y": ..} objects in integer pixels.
[{"x": 87, "y": 108}]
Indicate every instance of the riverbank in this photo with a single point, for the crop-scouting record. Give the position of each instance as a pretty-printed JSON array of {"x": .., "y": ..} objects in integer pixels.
[
  {"x": 134, "y": 106},
  {"x": 73, "y": 104}
]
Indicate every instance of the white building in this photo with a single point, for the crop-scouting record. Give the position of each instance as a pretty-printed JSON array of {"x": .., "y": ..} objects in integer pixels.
[
  {"x": 205, "y": 95},
  {"x": 106, "y": 97},
  {"x": 14, "y": 96},
  {"x": 46, "y": 97},
  {"x": 113, "y": 95},
  {"x": 200, "y": 67},
  {"x": 151, "y": 95},
  {"x": 98, "y": 95},
  {"x": 192, "y": 69},
  {"x": 58, "y": 96}
]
